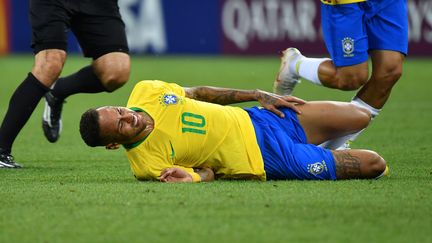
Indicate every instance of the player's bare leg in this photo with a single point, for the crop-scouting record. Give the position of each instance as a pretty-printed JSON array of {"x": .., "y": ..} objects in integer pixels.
[
  {"x": 343, "y": 78},
  {"x": 113, "y": 69},
  {"x": 324, "y": 120},
  {"x": 48, "y": 65},
  {"x": 386, "y": 71},
  {"x": 359, "y": 164}
]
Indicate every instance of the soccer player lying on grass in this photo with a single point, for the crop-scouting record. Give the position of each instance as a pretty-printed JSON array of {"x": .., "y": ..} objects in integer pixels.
[{"x": 176, "y": 134}]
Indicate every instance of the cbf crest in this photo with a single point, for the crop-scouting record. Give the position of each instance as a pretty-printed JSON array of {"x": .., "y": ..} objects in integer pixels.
[
  {"x": 348, "y": 46},
  {"x": 169, "y": 99},
  {"x": 317, "y": 168}
]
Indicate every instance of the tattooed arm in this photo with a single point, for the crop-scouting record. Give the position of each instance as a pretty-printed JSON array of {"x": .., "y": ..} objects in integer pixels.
[
  {"x": 358, "y": 164},
  {"x": 224, "y": 96}
]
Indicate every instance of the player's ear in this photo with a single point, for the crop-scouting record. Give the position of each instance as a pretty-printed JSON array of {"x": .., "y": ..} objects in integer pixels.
[{"x": 112, "y": 146}]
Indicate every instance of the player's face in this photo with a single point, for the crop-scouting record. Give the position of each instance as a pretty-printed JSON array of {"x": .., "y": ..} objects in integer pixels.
[{"x": 121, "y": 125}]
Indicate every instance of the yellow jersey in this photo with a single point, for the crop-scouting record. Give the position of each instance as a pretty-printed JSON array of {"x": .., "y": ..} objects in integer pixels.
[{"x": 192, "y": 134}]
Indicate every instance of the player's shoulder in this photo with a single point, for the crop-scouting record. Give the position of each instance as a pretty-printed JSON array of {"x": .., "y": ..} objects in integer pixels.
[
  {"x": 151, "y": 87},
  {"x": 155, "y": 85}
]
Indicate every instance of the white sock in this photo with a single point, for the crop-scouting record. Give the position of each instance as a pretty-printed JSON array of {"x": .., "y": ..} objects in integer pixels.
[
  {"x": 307, "y": 68},
  {"x": 293, "y": 66},
  {"x": 340, "y": 143},
  {"x": 360, "y": 103}
]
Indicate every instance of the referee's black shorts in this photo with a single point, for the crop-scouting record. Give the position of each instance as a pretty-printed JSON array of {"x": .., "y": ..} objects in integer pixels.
[{"x": 97, "y": 25}]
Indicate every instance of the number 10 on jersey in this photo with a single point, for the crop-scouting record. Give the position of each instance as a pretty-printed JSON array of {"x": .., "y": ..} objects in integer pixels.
[{"x": 193, "y": 123}]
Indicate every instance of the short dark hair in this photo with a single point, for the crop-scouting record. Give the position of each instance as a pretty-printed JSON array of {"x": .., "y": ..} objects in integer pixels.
[{"x": 89, "y": 128}]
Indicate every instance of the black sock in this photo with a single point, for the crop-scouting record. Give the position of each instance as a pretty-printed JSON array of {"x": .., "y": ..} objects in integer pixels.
[
  {"x": 21, "y": 105},
  {"x": 83, "y": 81}
]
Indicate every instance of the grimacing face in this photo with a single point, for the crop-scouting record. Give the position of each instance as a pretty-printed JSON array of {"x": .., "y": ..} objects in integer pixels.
[{"x": 121, "y": 125}]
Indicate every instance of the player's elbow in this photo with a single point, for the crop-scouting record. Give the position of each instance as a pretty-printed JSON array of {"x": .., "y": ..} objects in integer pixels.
[{"x": 350, "y": 80}]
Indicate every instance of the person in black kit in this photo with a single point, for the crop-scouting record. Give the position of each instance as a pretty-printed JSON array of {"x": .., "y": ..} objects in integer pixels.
[{"x": 99, "y": 29}]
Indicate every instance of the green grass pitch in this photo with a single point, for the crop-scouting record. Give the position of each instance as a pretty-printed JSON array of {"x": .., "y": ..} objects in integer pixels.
[{"x": 68, "y": 192}]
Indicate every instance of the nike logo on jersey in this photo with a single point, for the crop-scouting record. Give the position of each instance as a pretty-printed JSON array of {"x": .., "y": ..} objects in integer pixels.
[{"x": 172, "y": 151}]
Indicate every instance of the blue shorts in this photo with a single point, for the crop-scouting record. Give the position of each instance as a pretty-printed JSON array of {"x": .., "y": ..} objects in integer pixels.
[
  {"x": 285, "y": 151},
  {"x": 351, "y": 30}
]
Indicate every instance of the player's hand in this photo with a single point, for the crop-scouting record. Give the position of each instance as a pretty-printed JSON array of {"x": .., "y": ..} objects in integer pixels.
[
  {"x": 112, "y": 146},
  {"x": 175, "y": 174},
  {"x": 272, "y": 102}
]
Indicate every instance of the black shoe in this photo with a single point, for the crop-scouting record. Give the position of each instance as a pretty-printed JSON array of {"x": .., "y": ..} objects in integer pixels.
[
  {"x": 7, "y": 161},
  {"x": 51, "y": 120}
]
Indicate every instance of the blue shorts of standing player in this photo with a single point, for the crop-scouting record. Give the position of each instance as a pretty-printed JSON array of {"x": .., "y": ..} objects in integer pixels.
[
  {"x": 285, "y": 150},
  {"x": 352, "y": 30}
]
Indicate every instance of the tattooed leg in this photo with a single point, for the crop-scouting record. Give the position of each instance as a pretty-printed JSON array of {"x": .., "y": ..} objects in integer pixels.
[
  {"x": 358, "y": 164},
  {"x": 347, "y": 165}
]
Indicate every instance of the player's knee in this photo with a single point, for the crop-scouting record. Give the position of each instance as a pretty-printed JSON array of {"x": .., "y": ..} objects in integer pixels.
[
  {"x": 396, "y": 74},
  {"x": 375, "y": 166},
  {"x": 48, "y": 66},
  {"x": 352, "y": 81},
  {"x": 113, "y": 70},
  {"x": 114, "y": 80},
  {"x": 363, "y": 115}
]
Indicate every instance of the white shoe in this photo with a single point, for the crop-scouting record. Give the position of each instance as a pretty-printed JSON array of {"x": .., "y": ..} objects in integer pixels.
[{"x": 287, "y": 80}]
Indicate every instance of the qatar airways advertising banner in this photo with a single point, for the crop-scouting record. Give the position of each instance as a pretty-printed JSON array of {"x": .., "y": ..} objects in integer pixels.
[
  {"x": 269, "y": 26},
  {"x": 233, "y": 27}
]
